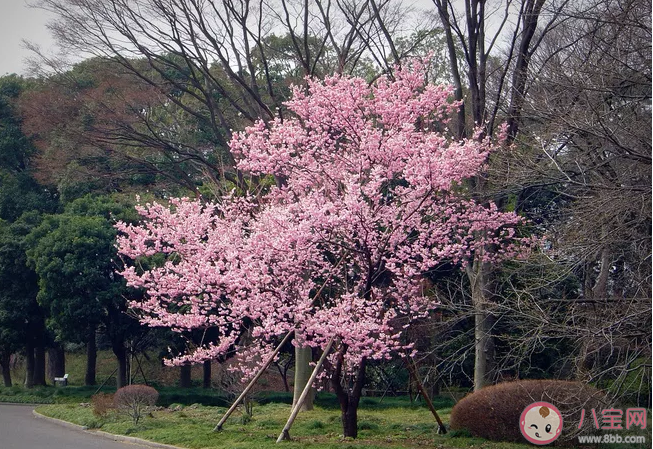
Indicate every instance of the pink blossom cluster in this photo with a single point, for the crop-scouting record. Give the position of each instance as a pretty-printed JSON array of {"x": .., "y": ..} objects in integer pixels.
[{"x": 370, "y": 201}]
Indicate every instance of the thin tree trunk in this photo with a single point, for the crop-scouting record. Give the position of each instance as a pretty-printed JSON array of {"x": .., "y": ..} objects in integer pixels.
[
  {"x": 479, "y": 276},
  {"x": 29, "y": 365},
  {"x": 206, "y": 374},
  {"x": 91, "y": 359},
  {"x": 303, "y": 358},
  {"x": 185, "y": 376},
  {"x": 121, "y": 355},
  {"x": 442, "y": 7},
  {"x": 349, "y": 398},
  {"x": 39, "y": 365},
  {"x": 56, "y": 362},
  {"x": 597, "y": 290},
  {"x": 520, "y": 74},
  {"x": 600, "y": 289},
  {"x": 5, "y": 361}
]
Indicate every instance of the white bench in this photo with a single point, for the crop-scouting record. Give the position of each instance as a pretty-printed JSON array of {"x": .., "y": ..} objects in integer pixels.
[{"x": 61, "y": 381}]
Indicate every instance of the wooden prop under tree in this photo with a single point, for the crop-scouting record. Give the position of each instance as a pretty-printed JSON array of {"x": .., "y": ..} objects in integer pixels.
[
  {"x": 412, "y": 370},
  {"x": 285, "y": 433},
  {"x": 249, "y": 386},
  {"x": 268, "y": 362}
]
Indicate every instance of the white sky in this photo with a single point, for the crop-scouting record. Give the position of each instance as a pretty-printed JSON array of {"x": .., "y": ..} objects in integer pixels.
[{"x": 18, "y": 22}]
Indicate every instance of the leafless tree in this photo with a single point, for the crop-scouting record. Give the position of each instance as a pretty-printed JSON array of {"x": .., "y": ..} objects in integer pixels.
[
  {"x": 498, "y": 41},
  {"x": 578, "y": 106},
  {"x": 590, "y": 115},
  {"x": 590, "y": 120},
  {"x": 222, "y": 65}
]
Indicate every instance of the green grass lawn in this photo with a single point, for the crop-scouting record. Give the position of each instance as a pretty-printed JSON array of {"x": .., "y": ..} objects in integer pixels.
[
  {"x": 393, "y": 424},
  {"x": 186, "y": 417}
]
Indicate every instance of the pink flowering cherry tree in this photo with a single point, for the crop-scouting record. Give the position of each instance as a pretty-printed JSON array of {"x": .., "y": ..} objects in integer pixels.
[{"x": 370, "y": 200}]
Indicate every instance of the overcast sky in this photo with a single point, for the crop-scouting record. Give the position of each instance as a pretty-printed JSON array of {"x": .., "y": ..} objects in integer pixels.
[{"x": 18, "y": 22}]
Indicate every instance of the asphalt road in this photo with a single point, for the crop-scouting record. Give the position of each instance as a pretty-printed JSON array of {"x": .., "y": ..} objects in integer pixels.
[{"x": 19, "y": 429}]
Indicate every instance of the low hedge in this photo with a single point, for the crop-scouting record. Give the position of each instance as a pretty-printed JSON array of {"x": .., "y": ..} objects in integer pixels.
[{"x": 494, "y": 412}]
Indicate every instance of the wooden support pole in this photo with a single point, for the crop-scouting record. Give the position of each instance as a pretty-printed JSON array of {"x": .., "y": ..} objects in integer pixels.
[
  {"x": 106, "y": 380},
  {"x": 140, "y": 368},
  {"x": 412, "y": 369},
  {"x": 249, "y": 386},
  {"x": 285, "y": 433}
]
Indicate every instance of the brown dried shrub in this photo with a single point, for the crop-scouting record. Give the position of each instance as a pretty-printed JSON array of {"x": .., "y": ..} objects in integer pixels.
[
  {"x": 102, "y": 403},
  {"x": 134, "y": 400},
  {"x": 493, "y": 412}
]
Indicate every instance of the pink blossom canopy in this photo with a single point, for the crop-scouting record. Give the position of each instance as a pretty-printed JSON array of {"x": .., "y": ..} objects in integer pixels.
[{"x": 371, "y": 199}]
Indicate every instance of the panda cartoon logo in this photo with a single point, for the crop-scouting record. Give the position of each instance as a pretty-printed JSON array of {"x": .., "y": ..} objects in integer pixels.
[{"x": 541, "y": 423}]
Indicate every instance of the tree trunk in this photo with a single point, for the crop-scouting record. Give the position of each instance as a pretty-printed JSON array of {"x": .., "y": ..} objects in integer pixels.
[
  {"x": 600, "y": 289},
  {"x": 349, "y": 398},
  {"x": 597, "y": 290},
  {"x": 56, "y": 362},
  {"x": 303, "y": 358},
  {"x": 206, "y": 374},
  {"x": 39, "y": 365},
  {"x": 91, "y": 359},
  {"x": 120, "y": 352},
  {"x": 29, "y": 364},
  {"x": 5, "y": 361},
  {"x": 443, "y": 11},
  {"x": 520, "y": 74},
  {"x": 350, "y": 421},
  {"x": 185, "y": 376},
  {"x": 479, "y": 276}
]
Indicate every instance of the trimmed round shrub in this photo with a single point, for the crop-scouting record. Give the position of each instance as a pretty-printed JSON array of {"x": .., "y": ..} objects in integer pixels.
[
  {"x": 494, "y": 412},
  {"x": 134, "y": 400}
]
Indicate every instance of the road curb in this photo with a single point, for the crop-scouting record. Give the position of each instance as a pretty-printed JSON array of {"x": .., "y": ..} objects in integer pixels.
[
  {"x": 61, "y": 422},
  {"x": 107, "y": 435}
]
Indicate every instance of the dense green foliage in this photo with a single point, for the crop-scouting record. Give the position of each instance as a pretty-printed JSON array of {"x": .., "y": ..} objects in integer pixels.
[
  {"x": 74, "y": 256},
  {"x": 22, "y": 201}
]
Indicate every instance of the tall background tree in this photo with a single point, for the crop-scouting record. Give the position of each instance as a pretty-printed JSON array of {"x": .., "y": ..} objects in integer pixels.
[
  {"x": 508, "y": 50},
  {"x": 22, "y": 321},
  {"x": 74, "y": 257},
  {"x": 22, "y": 199}
]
